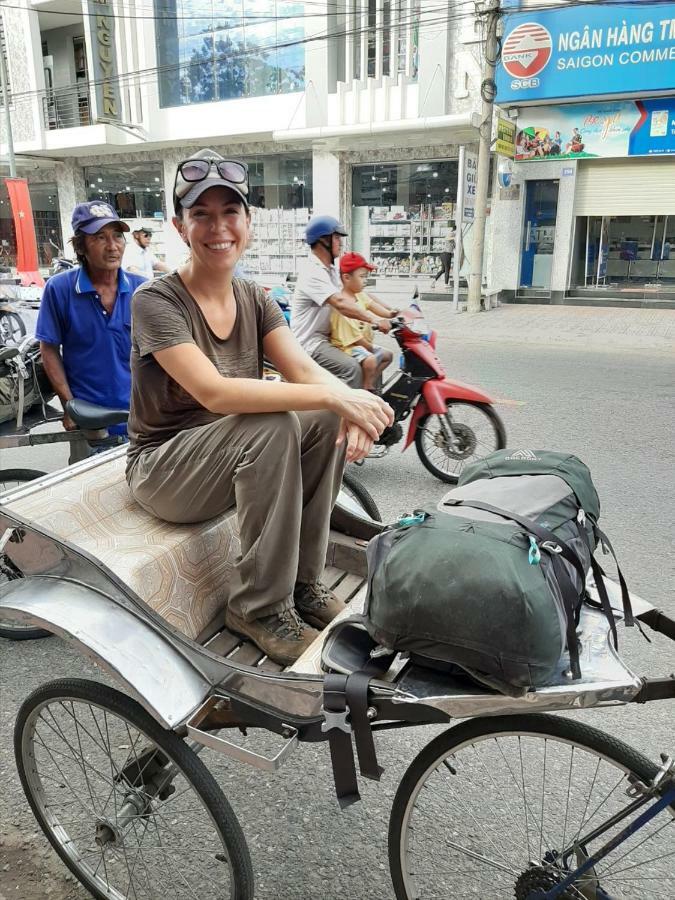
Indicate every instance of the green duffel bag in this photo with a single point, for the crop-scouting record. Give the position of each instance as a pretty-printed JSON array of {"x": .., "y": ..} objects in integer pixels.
[{"x": 493, "y": 581}]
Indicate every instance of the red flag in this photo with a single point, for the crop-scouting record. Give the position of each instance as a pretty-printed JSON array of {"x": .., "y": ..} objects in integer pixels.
[{"x": 26, "y": 242}]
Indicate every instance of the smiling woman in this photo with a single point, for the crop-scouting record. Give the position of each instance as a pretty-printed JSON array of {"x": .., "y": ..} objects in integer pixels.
[{"x": 206, "y": 432}]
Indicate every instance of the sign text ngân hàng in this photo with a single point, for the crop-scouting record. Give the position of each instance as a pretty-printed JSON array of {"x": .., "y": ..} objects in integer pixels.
[{"x": 550, "y": 54}]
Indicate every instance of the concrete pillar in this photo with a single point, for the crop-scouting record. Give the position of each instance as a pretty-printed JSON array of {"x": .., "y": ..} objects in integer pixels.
[
  {"x": 271, "y": 181},
  {"x": 328, "y": 190},
  {"x": 174, "y": 248},
  {"x": 71, "y": 190}
]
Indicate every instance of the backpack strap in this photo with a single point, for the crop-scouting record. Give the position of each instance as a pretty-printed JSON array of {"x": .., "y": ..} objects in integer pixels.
[
  {"x": 557, "y": 548},
  {"x": 629, "y": 621},
  {"x": 339, "y": 731}
]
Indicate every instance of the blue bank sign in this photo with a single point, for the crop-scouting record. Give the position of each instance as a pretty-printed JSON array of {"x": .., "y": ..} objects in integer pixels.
[{"x": 587, "y": 51}]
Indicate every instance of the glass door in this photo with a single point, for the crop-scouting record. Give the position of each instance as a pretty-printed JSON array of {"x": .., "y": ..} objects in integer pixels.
[{"x": 536, "y": 259}]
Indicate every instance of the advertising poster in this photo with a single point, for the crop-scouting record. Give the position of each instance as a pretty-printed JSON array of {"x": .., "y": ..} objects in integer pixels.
[
  {"x": 603, "y": 130},
  {"x": 470, "y": 181},
  {"x": 505, "y": 145},
  {"x": 605, "y": 49}
]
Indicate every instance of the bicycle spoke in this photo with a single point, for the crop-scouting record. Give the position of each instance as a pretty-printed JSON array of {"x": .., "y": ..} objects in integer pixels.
[{"x": 91, "y": 767}]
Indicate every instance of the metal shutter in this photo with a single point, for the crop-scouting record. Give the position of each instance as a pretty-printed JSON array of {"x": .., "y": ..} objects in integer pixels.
[{"x": 625, "y": 187}]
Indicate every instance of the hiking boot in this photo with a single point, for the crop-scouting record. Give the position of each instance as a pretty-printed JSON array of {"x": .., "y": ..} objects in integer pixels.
[
  {"x": 316, "y": 604},
  {"x": 284, "y": 636}
]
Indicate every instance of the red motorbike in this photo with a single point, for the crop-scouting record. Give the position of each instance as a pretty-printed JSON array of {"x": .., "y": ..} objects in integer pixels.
[{"x": 451, "y": 422}]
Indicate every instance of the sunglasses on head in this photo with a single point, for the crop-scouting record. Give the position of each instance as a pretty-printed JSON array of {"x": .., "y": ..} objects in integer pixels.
[{"x": 194, "y": 170}]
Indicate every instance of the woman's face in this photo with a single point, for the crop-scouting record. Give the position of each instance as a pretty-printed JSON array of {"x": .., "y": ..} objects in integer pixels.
[{"x": 216, "y": 228}]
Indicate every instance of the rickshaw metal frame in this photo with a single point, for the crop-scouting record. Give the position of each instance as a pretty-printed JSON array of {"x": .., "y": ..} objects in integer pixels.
[{"x": 177, "y": 681}]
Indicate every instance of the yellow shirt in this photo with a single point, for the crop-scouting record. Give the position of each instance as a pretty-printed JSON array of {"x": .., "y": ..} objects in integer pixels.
[{"x": 344, "y": 332}]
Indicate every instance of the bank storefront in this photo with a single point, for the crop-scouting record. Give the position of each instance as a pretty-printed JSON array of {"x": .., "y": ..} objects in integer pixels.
[{"x": 593, "y": 182}]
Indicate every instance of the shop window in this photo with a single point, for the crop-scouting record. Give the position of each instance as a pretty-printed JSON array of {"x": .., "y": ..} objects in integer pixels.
[
  {"x": 235, "y": 48},
  {"x": 134, "y": 190},
  {"x": 44, "y": 199},
  {"x": 403, "y": 214},
  {"x": 281, "y": 199}
]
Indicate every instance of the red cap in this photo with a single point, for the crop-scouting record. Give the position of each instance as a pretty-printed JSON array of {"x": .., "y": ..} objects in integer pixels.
[{"x": 350, "y": 262}]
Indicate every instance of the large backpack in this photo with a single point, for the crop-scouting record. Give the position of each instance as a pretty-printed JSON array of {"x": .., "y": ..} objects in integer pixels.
[{"x": 493, "y": 580}]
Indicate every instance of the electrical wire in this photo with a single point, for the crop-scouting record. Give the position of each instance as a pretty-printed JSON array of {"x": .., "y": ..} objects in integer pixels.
[{"x": 138, "y": 78}]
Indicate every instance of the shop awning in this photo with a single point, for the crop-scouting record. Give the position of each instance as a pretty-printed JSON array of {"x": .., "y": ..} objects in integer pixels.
[{"x": 461, "y": 128}]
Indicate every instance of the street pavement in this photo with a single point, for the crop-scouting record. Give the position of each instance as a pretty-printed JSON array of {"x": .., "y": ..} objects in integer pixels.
[{"x": 596, "y": 382}]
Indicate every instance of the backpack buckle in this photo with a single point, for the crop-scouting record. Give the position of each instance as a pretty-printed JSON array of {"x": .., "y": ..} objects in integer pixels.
[{"x": 551, "y": 547}]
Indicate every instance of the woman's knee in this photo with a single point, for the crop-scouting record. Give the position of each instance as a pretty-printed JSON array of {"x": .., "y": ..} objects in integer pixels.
[{"x": 272, "y": 430}]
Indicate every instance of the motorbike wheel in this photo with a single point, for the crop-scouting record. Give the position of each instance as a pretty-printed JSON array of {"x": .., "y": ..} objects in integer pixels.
[
  {"x": 355, "y": 488},
  {"x": 11, "y": 478},
  {"x": 355, "y": 512},
  {"x": 12, "y": 328},
  {"x": 474, "y": 430}
]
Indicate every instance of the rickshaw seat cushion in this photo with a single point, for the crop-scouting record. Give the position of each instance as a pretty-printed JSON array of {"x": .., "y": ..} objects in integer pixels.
[{"x": 181, "y": 571}]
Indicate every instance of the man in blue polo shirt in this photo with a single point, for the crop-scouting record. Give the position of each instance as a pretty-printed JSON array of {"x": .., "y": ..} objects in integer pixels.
[{"x": 84, "y": 324}]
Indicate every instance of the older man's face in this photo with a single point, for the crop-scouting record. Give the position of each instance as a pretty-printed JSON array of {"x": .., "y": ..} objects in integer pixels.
[{"x": 104, "y": 250}]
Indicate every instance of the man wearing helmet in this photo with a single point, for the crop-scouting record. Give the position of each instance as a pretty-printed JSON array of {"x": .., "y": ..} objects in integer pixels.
[{"x": 318, "y": 292}]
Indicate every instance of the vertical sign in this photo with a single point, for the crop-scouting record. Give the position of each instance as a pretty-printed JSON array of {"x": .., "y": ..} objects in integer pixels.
[
  {"x": 469, "y": 177},
  {"x": 505, "y": 144},
  {"x": 102, "y": 31}
]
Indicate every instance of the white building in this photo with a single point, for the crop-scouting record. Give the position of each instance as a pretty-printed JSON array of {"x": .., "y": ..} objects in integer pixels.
[{"x": 354, "y": 107}]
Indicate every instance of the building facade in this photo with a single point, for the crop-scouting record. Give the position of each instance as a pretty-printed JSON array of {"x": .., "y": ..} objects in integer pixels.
[
  {"x": 355, "y": 108},
  {"x": 590, "y": 208}
]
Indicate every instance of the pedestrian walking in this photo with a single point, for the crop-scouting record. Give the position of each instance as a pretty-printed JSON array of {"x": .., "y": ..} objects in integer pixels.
[{"x": 446, "y": 261}]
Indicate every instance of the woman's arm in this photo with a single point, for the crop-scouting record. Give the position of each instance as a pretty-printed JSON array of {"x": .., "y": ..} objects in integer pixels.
[{"x": 196, "y": 374}]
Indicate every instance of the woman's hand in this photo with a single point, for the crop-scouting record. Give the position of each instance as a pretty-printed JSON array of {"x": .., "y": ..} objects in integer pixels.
[
  {"x": 359, "y": 444},
  {"x": 361, "y": 408}
]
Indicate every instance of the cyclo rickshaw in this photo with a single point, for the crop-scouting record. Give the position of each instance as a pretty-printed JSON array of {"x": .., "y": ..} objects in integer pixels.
[{"x": 510, "y": 802}]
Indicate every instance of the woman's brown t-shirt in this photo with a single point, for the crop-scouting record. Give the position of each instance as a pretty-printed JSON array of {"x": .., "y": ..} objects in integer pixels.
[{"x": 164, "y": 314}]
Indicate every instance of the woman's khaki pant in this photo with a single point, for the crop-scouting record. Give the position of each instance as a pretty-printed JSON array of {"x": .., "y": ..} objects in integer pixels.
[{"x": 282, "y": 470}]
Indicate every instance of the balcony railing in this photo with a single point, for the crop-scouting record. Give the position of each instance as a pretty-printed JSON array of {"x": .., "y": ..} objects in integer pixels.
[{"x": 67, "y": 107}]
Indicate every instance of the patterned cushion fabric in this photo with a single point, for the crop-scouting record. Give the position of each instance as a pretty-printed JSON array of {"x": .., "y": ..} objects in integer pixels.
[{"x": 181, "y": 571}]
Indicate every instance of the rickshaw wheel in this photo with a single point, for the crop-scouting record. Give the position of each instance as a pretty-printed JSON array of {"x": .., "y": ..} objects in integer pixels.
[{"x": 127, "y": 805}]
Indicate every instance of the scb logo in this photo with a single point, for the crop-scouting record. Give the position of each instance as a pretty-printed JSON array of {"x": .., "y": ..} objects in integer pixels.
[
  {"x": 519, "y": 83},
  {"x": 526, "y": 52}
]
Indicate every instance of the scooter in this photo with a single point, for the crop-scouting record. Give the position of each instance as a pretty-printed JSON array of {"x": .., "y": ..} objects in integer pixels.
[{"x": 451, "y": 423}]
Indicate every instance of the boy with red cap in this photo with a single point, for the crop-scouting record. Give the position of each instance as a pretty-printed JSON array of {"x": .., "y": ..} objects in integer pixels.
[{"x": 353, "y": 336}]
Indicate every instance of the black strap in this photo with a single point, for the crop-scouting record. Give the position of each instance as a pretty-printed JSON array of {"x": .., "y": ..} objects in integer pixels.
[
  {"x": 598, "y": 575},
  {"x": 357, "y": 700},
  {"x": 339, "y": 739},
  {"x": 544, "y": 535},
  {"x": 625, "y": 596},
  {"x": 570, "y": 594},
  {"x": 570, "y": 599}
]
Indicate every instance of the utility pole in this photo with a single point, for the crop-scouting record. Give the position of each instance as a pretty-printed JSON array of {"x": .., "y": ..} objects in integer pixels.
[
  {"x": 491, "y": 13},
  {"x": 5, "y": 104}
]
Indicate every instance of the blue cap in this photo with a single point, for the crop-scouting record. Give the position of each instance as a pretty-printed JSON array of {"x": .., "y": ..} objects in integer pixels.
[{"x": 92, "y": 216}]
